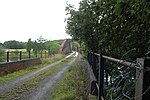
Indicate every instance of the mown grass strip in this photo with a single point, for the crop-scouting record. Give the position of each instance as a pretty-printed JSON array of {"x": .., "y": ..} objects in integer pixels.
[
  {"x": 25, "y": 89},
  {"x": 45, "y": 62},
  {"x": 74, "y": 85}
]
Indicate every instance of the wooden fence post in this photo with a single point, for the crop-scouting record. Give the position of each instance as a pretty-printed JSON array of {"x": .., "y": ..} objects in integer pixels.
[
  {"x": 101, "y": 77},
  {"x": 7, "y": 56}
]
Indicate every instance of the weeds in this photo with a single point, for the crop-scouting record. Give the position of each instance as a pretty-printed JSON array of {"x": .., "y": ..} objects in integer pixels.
[{"x": 74, "y": 85}]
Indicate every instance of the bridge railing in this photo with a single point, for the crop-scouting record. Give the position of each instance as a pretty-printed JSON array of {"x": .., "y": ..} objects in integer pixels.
[{"x": 142, "y": 66}]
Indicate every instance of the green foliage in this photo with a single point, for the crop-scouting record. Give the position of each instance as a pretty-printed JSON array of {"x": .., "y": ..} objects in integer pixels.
[
  {"x": 35, "y": 47},
  {"x": 73, "y": 85},
  {"x": 1, "y": 52},
  {"x": 113, "y": 27},
  {"x": 118, "y": 28},
  {"x": 75, "y": 45},
  {"x": 1, "y": 46},
  {"x": 13, "y": 44},
  {"x": 29, "y": 45},
  {"x": 53, "y": 46}
]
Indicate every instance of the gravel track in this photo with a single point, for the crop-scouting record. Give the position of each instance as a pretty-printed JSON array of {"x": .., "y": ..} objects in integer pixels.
[{"x": 13, "y": 83}]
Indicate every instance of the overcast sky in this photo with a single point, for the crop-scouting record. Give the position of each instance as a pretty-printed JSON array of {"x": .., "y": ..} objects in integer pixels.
[{"x": 24, "y": 19}]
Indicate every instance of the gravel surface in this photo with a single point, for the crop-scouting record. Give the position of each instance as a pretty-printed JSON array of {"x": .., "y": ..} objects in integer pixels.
[{"x": 45, "y": 88}]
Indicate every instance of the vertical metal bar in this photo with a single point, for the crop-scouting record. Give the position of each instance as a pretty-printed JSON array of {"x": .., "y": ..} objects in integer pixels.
[
  {"x": 7, "y": 56},
  {"x": 20, "y": 55},
  {"x": 94, "y": 65},
  {"x": 139, "y": 79},
  {"x": 101, "y": 77},
  {"x": 146, "y": 80}
]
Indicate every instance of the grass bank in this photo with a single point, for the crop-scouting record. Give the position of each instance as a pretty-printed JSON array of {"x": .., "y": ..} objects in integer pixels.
[
  {"x": 74, "y": 85},
  {"x": 20, "y": 73}
]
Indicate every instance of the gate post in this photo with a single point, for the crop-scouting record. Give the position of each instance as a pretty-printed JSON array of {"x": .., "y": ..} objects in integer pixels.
[
  {"x": 7, "y": 56},
  {"x": 101, "y": 77},
  {"x": 139, "y": 79}
]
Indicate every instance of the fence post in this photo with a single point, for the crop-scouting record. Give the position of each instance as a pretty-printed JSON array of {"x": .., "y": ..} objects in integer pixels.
[
  {"x": 142, "y": 88},
  {"x": 20, "y": 55},
  {"x": 94, "y": 65},
  {"x": 101, "y": 77},
  {"x": 146, "y": 81},
  {"x": 7, "y": 56},
  {"x": 139, "y": 79}
]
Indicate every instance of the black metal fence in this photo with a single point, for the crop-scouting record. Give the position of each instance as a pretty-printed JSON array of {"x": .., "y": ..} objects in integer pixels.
[
  {"x": 98, "y": 65},
  {"x": 19, "y": 55}
]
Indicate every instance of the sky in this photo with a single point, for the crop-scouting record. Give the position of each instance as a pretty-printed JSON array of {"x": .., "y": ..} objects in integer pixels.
[{"x": 24, "y": 19}]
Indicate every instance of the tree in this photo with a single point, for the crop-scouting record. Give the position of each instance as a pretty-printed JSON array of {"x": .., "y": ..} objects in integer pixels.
[
  {"x": 29, "y": 45},
  {"x": 13, "y": 44},
  {"x": 35, "y": 47},
  {"x": 118, "y": 28},
  {"x": 53, "y": 46},
  {"x": 41, "y": 44}
]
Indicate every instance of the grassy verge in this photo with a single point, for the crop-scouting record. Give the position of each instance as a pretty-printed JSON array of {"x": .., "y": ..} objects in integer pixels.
[
  {"x": 74, "y": 85},
  {"x": 30, "y": 69},
  {"x": 28, "y": 87}
]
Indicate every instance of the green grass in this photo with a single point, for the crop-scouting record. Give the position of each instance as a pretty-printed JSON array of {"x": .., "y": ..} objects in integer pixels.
[
  {"x": 30, "y": 69},
  {"x": 73, "y": 85},
  {"x": 29, "y": 86}
]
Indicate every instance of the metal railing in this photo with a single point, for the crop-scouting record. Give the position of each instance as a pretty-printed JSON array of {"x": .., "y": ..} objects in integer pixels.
[{"x": 142, "y": 75}]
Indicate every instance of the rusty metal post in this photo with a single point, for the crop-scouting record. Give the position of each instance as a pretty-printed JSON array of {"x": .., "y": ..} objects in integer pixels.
[
  {"x": 101, "y": 77},
  {"x": 7, "y": 56},
  {"x": 94, "y": 64}
]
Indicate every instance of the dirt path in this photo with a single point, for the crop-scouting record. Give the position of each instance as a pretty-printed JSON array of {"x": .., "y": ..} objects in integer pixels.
[
  {"x": 44, "y": 91},
  {"x": 11, "y": 84}
]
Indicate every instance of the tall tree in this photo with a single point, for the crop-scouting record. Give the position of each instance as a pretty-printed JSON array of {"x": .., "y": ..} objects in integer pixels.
[{"x": 29, "y": 45}]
